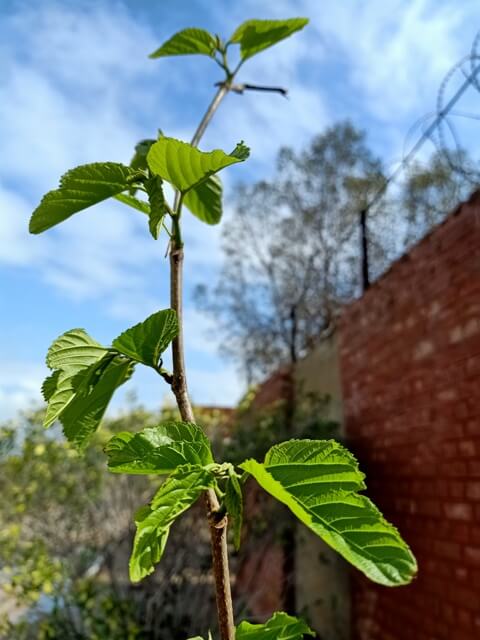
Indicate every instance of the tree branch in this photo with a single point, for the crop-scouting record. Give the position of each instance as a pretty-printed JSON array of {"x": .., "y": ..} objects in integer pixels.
[{"x": 241, "y": 88}]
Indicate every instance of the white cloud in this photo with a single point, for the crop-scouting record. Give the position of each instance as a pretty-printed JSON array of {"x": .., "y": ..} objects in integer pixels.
[
  {"x": 76, "y": 87},
  {"x": 220, "y": 387},
  {"x": 398, "y": 52},
  {"x": 73, "y": 76},
  {"x": 20, "y": 384},
  {"x": 16, "y": 247},
  {"x": 266, "y": 121},
  {"x": 66, "y": 98}
]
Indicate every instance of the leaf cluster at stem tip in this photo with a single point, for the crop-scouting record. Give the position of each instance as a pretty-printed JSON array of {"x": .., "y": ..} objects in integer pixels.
[
  {"x": 189, "y": 171},
  {"x": 193, "y": 173},
  {"x": 253, "y": 36}
]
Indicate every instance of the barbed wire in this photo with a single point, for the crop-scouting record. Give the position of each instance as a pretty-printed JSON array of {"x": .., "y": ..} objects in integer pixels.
[{"x": 437, "y": 127}]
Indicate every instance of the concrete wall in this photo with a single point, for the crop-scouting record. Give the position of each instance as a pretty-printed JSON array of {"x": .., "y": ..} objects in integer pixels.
[{"x": 322, "y": 575}]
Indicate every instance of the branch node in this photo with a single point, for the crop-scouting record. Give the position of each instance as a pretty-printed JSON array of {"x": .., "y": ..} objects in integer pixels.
[{"x": 242, "y": 87}]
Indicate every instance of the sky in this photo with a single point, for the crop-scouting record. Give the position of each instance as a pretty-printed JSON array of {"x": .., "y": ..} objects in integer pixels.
[{"x": 77, "y": 87}]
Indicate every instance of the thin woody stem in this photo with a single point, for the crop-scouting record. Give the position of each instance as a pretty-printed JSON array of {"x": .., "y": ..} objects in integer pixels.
[
  {"x": 217, "y": 521},
  {"x": 223, "y": 89}
]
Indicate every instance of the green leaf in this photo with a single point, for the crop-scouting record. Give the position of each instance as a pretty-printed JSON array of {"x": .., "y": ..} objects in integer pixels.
[
  {"x": 79, "y": 189},
  {"x": 71, "y": 355},
  {"x": 185, "y": 166},
  {"x": 139, "y": 160},
  {"x": 254, "y": 36},
  {"x": 158, "y": 207},
  {"x": 319, "y": 481},
  {"x": 49, "y": 385},
  {"x": 59, "y": 397},
  {"x": 135, "y": 203},
  {"x": 74, "y": 349},
  {"x": 159, "y": 449},
  {"x": 280, "y": 627},
  {"x": 176, "y": 495},
  {"x": 147, "y": 340},
  {"x": 85, "y": 378},
  {"x": 188, "y": 41},
  {"x": 234, "y": 504},
  {"x": 92, "y": 393},
  {"x": 205, "y": 200}
]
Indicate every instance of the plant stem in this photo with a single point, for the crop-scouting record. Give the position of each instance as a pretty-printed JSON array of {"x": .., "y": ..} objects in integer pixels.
[
  {"x": 223, "y": 89},
  {"x": 217, "y": 522}
]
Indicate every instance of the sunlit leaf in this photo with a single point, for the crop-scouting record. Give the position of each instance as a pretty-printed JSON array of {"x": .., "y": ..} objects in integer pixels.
[
  {"x": 205, "y": 200},
  {"x": 281, "y": 626},
  {"x": 185, "y": 166},
  {"x": 179, "y": 492},
  {"x": 234, "y": 504},
  {"x": 139, "y": 160},
  {"x": 187, "y": 41},
  {"x": 71, "y": 355},
  {"x": 254, "y": 36},
  {"x": 74, "y": 349},
  {"x": 158, "y": 209},
  {"x": 79, "y": 189},
  {"x": 135, "y": 203},
  {"x": 159, "y": 449},
  {"x": 83, "y": 414},
  {"x": 318, "y": 480},
  {"x": 84, "y": 379},
  {"x": 147, "y": 340}
]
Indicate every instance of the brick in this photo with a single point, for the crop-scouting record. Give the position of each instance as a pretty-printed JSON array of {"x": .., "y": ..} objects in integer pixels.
[
  {"x": 459, "y": 511},
  {"x": 474, "y": 536},
  {"x": 449, "y": 550},
  {"x": 467, "y": 448},
  {"x": 474, "y": 468},
  {"x": 460, "y": 532},
  {"x": 423, "y": 349},
  {"x": 449, "y": 450},
  {"x": 462, "y": 597},
  {"x": 472, "y": 554},
  {"x": 447, "y": 395},
  {"x": 473, "y": 365},
  {"x": 456, "y": 489},
  {"x": 457, "y": 468},
  {"x": 472, "y": 427},
  {"x": 473, "y": 490},
  {"x": 465, "y": 618},
  {"x": 461, "y": 573}
]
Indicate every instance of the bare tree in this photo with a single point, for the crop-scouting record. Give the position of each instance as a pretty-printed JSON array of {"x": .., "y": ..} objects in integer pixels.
[
  {"x": 291, "y": 251},
  {"x": 430, "y": 192}
]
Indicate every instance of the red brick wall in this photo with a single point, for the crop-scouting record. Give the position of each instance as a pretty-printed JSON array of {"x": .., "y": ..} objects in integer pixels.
[{"x": 410, "y": 362}]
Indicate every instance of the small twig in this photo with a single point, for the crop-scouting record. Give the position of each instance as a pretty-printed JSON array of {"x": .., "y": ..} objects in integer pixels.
[
  {"x": 166, "y": 375},
  {"x": 242, "y": 87}
]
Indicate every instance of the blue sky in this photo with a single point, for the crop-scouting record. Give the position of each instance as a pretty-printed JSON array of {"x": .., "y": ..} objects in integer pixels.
[{"x": 77, "y": 86}]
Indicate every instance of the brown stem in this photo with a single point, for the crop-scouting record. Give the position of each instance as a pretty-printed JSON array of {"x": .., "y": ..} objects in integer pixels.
[
  {"x": 218, "y": 525},
  {"x": 209, "y": 113},
  {"x": 217, "y": 522}
]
